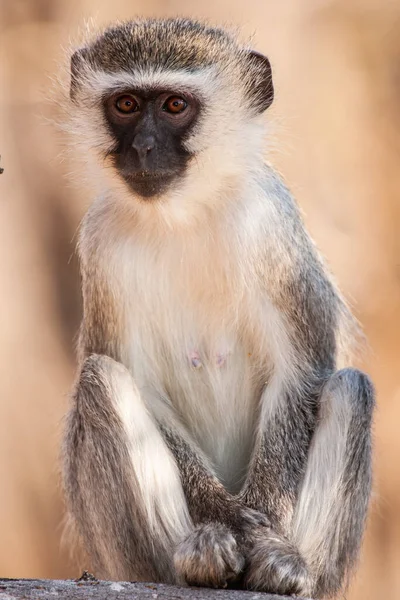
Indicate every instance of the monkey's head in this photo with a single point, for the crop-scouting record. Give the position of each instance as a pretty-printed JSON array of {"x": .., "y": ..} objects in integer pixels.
[{"x": 170, "y": 104}]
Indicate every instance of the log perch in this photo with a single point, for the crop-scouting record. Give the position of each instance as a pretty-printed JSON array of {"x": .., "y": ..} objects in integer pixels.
[{"x": 85, "y": 587}]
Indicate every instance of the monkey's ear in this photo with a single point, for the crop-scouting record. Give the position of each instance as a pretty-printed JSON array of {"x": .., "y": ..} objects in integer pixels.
[
  {"x": 261, "y": 87},
  {"x": 77, "y": 61}
]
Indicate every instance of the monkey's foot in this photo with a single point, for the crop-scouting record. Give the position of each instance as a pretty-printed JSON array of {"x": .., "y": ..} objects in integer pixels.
[
  {"x": 275, "y": 566},
  {"x": 208, "y": 557}
]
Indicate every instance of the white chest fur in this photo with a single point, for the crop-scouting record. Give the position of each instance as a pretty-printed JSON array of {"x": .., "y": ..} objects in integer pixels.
[{"x": 190, "y": 342}]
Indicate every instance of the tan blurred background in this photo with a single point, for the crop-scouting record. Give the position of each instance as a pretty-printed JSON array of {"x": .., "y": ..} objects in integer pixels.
[{"x": 337, "y": 142}]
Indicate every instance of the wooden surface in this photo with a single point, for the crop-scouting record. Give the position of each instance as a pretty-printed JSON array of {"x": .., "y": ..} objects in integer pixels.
[{"x": 13, "y": 589}]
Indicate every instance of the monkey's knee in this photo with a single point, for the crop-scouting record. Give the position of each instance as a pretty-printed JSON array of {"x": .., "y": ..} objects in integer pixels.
[
  {"x": 352, "y": 389},
  {"x": 103, "y": 378},
  {"x": 106, "y": 395}
]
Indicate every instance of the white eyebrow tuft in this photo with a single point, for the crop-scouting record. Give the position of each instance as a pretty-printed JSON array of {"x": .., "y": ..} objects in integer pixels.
[{"x": 201, "y": 81}]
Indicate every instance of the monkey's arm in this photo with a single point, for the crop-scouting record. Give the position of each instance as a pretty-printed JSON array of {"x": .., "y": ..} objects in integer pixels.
[
  {"x": 290, "y": 401},
  {"x": 208, "y": 500},
  {"x": 305, "y": 311}
]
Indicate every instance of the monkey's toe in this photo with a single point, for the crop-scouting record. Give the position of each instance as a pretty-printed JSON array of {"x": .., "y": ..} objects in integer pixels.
[
  {"x": 276, "y": 566},
  {"x": 208, "y": 557}
]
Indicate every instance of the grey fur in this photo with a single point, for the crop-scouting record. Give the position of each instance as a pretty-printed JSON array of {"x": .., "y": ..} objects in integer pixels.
[
  {"x": 147, "y": 484},
  {"x": 338, "y": 480},
  {"x": 181, "y": 44},
  {"x": 101, "y": 489}
]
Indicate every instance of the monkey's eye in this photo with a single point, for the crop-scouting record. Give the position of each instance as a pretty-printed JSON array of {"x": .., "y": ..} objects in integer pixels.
[
  {"x": 126, "y": 104},
  {"x": 175, "y": 105}
]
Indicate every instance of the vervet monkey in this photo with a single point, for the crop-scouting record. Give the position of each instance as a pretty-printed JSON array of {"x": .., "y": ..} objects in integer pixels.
[{"x": 211, "y": 438}]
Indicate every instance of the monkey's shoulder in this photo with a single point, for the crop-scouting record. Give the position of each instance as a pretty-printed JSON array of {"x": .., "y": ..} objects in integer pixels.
[
  {"x": 277, "y": 225},
  {"x": 100, "y": 230},
  {"x": 287, "y": 256}
]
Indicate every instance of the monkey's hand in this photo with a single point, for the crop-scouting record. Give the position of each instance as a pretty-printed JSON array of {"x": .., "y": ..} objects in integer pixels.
[
  {"x": 269, "y": 561},
  {"x": 272, "y": 563},
  {"x": 275, "y": 565},
  {"x": 214, "y": 553},
  {"x": 209, "y": 556}
]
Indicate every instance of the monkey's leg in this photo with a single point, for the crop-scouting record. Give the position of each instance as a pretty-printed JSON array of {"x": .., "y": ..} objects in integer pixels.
[
  {"x": 122, "y": 483},
  {"x": 125, "y": 492},
  {"x": 330, "y": 514},
  {"x": 325, "y": 532}
]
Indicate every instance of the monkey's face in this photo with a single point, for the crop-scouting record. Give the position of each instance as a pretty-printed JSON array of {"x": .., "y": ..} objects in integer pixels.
[
  {"x": 174, "y": 107},
  {"x": 150, "y": 128}
]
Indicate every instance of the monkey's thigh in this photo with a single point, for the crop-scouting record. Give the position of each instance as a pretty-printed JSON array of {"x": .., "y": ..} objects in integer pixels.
[{"x": 122, "y": 483}]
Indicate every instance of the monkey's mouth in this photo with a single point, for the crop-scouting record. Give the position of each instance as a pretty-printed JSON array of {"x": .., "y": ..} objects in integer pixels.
[
  {"x": 148, "y": 175},
  {"x": 149, "y": 184}
]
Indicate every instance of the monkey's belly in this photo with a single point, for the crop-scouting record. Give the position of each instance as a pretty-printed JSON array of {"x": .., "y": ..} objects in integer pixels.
[{"x": 215, "y": 393}]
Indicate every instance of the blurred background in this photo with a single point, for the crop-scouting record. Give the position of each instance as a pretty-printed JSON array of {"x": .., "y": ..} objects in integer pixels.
[{"x": 336, "y": 123}]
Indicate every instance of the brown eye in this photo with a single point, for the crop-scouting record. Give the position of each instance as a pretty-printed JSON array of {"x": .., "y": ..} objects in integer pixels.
[
  {"x": 175, "y": 105},
  {"x": 126, "y": 104}
]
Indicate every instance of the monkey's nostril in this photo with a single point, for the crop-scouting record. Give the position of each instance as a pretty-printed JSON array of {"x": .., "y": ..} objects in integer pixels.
[{"x": 143, "y": 145}]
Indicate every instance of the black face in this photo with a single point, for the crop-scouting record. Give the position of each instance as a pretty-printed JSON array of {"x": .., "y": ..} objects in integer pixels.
[{"x": 150, "y": 128}]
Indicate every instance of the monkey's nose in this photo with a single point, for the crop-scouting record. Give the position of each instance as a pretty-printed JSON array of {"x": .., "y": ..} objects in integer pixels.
[{"x": 143, "y": 145}]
